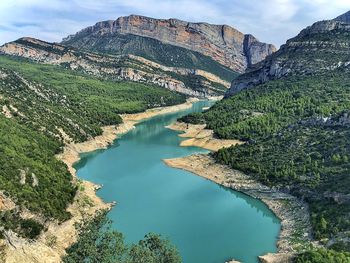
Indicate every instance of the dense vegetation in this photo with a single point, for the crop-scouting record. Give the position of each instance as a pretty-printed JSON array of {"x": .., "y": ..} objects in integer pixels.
[
  {"x": 323, "y": 256},
  {"x": 43, "y": 106},
  {"x": 97, "y": 242},
  {"x": 54, "y": 98},
  {"x": 311, "y": 159},
  {"x": 290, "y": 144},
  {"x": 154, "y": 50},
  {"x": 256, "y": 113},
  {"x": 27, "y": 156}
]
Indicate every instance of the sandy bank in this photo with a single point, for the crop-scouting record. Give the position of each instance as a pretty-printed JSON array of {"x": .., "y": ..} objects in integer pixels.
[
  {"x": 200, "y": 137},
  {"x": 51, "y": 245},
  {"x": 293, "y": 213},
  {"x": 72, "y": 151},
  {"x": 158, "y": 111}
]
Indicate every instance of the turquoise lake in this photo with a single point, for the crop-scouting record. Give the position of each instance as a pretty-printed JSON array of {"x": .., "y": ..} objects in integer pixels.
[{"x": 207, "y": 222}]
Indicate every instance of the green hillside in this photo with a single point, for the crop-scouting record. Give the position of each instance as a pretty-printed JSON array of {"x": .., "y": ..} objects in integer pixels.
[
  {"x": 296, "y": 130},
  {"x": 282, "y": 151},
  {"x": 256, "y": 113},
  {"x": 55, "y": 98},
  {"x": 42, "y": 101},
  {"x": 312, "y": 160}
]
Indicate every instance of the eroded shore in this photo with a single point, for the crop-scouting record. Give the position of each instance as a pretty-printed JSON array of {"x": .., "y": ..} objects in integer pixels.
[
  {"x": 199, "y": 136},
  {"x": 51, "y": 245},
  {"x": 294, "y": 214}
]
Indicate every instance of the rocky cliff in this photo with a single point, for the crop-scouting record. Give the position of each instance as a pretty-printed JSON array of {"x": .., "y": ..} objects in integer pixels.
[
  {"x": 222, "y": 43},
  {"x": 197, "y": 83},
  {"x": 324, "y": 46}
]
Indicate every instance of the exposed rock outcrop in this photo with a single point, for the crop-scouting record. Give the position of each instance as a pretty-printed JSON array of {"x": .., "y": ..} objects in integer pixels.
[
  {"x": 324, "y": 46},
  {"x": 129, "y": 67},
  {"x": 277, "y": 258},
  {"x": 342, "y": 119},
  {"x": 223, "y": 43},
  {"x": 198, "y": 136}
]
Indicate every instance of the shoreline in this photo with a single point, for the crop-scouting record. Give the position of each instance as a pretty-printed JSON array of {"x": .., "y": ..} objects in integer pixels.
[
  {"x": 87, "y": 203},
  {"x": 292, "y": 213},
  {"x": 197, "y": 135},
  {"x": 110, "y": 133},
  {"x": 51, "y": 245}
]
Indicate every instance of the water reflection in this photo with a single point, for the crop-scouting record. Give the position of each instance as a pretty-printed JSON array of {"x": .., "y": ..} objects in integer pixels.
[{"x": 259, "y": 206}]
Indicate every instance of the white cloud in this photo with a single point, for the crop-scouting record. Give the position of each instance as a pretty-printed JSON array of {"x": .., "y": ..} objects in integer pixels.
[
  {"x": 195, "y": 10},
  {"x": 278, "y": 10},
  {"x": 329, "y": 9}
]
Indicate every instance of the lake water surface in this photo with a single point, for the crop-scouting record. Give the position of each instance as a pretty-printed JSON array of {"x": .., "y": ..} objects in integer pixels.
[{"x": 207, "y": 223}]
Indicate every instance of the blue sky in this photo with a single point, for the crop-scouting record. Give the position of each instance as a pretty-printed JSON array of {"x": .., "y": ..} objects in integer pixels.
[{"x": 272, "y": 21}]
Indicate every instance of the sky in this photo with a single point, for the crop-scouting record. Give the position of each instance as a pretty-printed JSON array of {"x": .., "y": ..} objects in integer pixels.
[{"x": 271, "y": 21}]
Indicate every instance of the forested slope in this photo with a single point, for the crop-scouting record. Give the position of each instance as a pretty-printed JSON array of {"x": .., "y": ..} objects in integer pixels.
[
  {"x": 255, "y": 113},
  {"x": 296, "y": 129},
  {"x": 42, "y": 106},
  {"x": 51, "y": 98}
]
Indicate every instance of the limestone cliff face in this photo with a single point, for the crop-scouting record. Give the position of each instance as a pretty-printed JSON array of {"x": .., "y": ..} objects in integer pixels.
[
  {"x": 254, "y": 50},
  {"x": 131, "y": 68},
  {"x": 321, "y": 47},
  {"x": 222, "y": 43}
]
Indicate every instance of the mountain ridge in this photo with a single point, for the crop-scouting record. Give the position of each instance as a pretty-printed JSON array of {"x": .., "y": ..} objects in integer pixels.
[
  {"x": 343, "y": 18},
  {"x": 222, "y": 43},
  {"x": 198, "y": 83},
  {"x": 320, "y": 47}
]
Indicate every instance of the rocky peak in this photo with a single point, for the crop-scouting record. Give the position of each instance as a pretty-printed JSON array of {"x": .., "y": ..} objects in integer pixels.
[
  {"x": 320, "y": 47},
  {"x": 255, "y": 50},
  {"x": 29, "y": 41},
  {"x": 222, "y": 43},
  {"x": 321, "y": 27},
  {"x": 35, "y": 49},
  {"x": 345, "y": 18}
]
